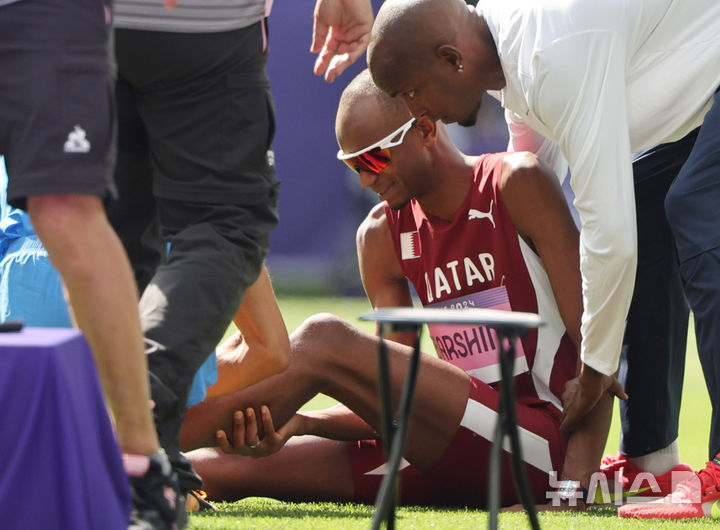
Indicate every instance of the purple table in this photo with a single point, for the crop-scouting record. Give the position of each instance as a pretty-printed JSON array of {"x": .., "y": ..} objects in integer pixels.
[{"x": 60, "y": 465}]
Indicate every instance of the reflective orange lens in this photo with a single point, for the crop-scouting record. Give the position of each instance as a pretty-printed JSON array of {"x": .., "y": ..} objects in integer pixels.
[{"x": 373, "y": 161}]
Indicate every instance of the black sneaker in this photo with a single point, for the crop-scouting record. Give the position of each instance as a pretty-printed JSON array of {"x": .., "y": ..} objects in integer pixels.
[{"x": 157, "y": 501}]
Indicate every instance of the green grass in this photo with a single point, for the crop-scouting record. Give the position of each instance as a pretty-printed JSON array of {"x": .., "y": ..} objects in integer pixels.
[{"x": 262, "y": 513}]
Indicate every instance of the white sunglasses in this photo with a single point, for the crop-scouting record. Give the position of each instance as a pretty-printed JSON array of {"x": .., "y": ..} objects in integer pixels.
[{"x": 377, "y": 156}]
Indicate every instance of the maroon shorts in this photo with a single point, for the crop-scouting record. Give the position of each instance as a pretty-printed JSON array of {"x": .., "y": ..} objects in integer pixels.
[{"x": 460, "y": 476}]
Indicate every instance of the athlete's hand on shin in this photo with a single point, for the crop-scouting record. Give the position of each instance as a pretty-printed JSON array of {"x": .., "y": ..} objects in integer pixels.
[
  {"x": 245, "y": 439},
  {"x": 582, "y": 394},
  {"x": 341, "y": 33}
]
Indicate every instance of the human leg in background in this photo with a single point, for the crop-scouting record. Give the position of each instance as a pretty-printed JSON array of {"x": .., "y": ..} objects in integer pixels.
[
  {"x": 134, "y": 214},
  {"x": 691, "y": 207},
  {"x": 205, "y": 105},
  {"x": 192, "y": 298},
  {"x": 71, "y": 223},
  {"x": 102, "y": 294},
  {"x": 653, "y": 360},
  {"x": 259, "y": 348},
  {"x": 97, "y": 276},
  {"x": 59, "y": 148}
]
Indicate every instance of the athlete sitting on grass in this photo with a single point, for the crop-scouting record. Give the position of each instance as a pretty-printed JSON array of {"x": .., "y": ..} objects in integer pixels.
[{"x": 466, "y": 231}]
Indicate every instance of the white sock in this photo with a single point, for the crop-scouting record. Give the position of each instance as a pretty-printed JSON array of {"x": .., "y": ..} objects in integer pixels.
[{"x": 659, "y": 462}]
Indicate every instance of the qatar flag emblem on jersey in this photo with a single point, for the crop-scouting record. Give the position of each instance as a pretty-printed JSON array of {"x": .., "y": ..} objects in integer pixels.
[{"x": 410, "y": 245}]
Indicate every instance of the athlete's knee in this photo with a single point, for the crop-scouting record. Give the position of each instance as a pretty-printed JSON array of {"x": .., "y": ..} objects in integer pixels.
[{"x": 319, "y": 335}]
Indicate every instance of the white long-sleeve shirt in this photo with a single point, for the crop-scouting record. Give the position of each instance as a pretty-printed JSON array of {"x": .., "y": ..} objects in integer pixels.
[{"x": 603, "y": 79}]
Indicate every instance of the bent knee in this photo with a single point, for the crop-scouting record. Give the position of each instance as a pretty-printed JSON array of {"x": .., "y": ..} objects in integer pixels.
[{"x": 322, "y": 328}]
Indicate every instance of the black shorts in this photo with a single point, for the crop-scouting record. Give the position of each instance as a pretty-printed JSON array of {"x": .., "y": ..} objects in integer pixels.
[
  {"x": 197, "y": 112},
  {"x": 56, "y": 104}
]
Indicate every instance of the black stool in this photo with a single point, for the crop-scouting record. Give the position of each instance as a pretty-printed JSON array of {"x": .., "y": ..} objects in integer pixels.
[{"x": 509, "y": 325}]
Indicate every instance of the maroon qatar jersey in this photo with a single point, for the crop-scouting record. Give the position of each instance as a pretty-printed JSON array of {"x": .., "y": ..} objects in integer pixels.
[{"x": 479, "y": 260}]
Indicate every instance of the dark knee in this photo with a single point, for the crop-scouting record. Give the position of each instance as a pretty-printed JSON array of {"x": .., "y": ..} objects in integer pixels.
[{"x": 319, "y": 334}]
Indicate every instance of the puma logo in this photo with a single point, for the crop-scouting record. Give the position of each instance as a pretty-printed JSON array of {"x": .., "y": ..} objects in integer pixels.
[{"x": 477, "y": 214}]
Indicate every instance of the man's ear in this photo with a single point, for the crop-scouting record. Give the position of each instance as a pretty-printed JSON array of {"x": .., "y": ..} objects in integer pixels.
[
  {"x": 428, "y": 128},
  {"x": 450, "y": 54}
]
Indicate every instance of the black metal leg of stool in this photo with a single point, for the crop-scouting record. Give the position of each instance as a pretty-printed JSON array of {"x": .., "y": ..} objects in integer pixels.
[
  {"x": 386, "y": 420},
  {"x": 494, "y": 476},
  {"x": 387, "y": 423},
  {"x": 507, "y": 360},
  {"x": 395, "y": 443}
]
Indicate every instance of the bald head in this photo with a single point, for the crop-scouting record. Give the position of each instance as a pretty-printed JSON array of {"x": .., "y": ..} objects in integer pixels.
[
  {"x": 407, "y": 33},
  {"x": 363, "y": 105},
  {"x": 420, "y": 157},
  {"x": 439, "y": 56}
]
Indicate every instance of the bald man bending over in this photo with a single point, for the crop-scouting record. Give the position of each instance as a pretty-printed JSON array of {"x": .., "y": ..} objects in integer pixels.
[
  {"x": 602, "y": 80},
  {"x": 461, "y": 230}
]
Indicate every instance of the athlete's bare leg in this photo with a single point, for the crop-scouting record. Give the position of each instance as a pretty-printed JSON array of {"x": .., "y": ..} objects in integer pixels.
[
  {"x": 307, "y": 468},
  {"x": 332, "y": 357}
]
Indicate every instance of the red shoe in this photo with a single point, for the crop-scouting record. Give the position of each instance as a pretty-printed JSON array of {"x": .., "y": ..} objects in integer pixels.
[
  {"x": 625, "y": 480},
  {"x": 699, "y": 496}
]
